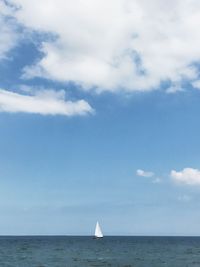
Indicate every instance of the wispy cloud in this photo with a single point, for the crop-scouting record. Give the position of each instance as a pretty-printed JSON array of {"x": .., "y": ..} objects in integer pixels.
[
  {"x": 148, "y": 174},
  {"x": 157, "y": 180},
  {"x": 45, "y": 102},
  {"x": 184, "y": 198},
  {"x": 187, "y": 176},
  {"x": 174, "y": 89},
  {"x": 196, "y": 84},
  {"x": 143, "y": 173},
  {"x": 9, "y": 35}
]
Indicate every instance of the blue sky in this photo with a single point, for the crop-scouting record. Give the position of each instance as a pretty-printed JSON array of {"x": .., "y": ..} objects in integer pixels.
[{"x": 89, "y": 135}]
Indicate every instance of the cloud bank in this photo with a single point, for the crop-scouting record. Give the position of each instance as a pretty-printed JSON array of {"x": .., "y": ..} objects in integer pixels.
[
  {"x": 116, "y": 44},
  {"x": 45, "y": 102},
  {"x": 187, "y": 176}
]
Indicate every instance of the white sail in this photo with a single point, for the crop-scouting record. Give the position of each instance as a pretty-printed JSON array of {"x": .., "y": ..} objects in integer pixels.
[{"x": 98, "y": 232}]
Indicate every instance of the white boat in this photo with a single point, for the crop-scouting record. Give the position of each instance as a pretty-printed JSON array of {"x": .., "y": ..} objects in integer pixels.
[{"x": 98, "y": 232}]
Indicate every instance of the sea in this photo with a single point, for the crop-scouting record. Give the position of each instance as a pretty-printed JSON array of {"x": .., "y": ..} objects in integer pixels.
[{"x": 76, "y": 251}]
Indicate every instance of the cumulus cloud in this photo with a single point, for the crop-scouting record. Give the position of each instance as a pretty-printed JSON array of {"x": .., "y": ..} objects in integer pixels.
[
  {"x": 115, "y": 44},
  {"x": 44, "y": 102},
  {"x": 188, "y": 176},
  {"x": 143, "y": 173}
]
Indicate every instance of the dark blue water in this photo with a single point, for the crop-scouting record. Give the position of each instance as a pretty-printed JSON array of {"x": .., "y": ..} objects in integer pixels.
[{"x": 109, "y": 251}]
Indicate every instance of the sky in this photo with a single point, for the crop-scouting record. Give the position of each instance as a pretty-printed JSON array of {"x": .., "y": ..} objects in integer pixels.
[{"x": 99, "y": 117}]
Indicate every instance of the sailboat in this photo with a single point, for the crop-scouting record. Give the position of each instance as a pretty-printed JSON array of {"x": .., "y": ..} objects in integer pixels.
[{"x": 98, "y": 232}]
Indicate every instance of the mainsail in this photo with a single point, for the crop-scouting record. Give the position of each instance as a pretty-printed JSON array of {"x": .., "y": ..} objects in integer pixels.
[{"x": 98, "y": 232}]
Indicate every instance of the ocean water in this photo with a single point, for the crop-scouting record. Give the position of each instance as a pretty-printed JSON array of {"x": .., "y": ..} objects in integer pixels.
[{"x": 64, "y": 251}]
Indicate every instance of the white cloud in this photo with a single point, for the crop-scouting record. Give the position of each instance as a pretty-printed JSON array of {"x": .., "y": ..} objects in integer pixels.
[
  {"x": 143, "y": 173},
  {"x": 188, "y": 176},
  {"x": 45, "y": 102},
  {"x": 115, "y": 44}
]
